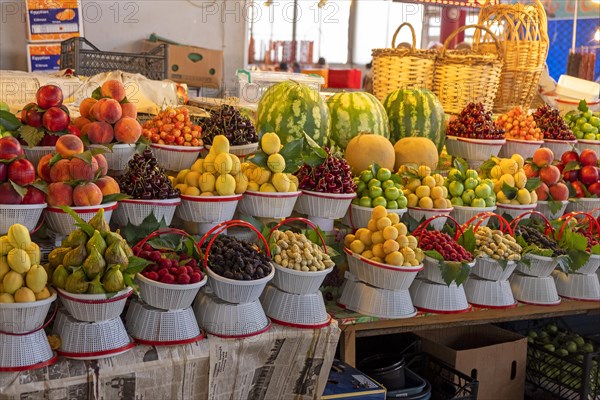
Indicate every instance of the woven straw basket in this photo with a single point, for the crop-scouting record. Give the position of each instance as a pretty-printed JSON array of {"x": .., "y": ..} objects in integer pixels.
[
  {"x": 465, "y": 76},
  {"x": 400, "y": 68},
  {"x": 522, "y": 30}
]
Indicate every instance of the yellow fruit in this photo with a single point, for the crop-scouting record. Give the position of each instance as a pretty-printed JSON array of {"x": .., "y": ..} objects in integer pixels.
[
  {"x": 534, "y": 197},
  {"x": 18, "y": 260},
  {"x": 357, "y": 247},
  {"x": 359, "y": 232},
  {"x": 423, "y": 191},
  {"x": 276, "y": 162},
  {"x": 36, "y": 278},
  {"x": 408, "y": 253},
  {"x": 182, "y": 187},
  {"x": 293, "y": 187},
  {"x": 12, "y": 282},
  {"x": 416, "y": 150},
  {"x": 267, "y": 187},
  {"x": 24, "y": 295},
  {"x": 372, "y": 225},
  {"x": 413, "y": 184},
  {"x": 378, "y": 251},
  {"x": 18, "y": 236},
  {"x": 349, "y": 238},
  {"x": 383, "y": 222},
  {"x": 366, "y": 237},
  {"x": 377, "y": 259},
  {"x": 191, "y": 179},
  {"x": 253, "y": 187},
  {"x": 220, "y": 145},
  {"x": 515, "y": 202},
  {"x": 33, "y": 251},
  {"x": 241, "y": 183},
  {"x": 402, "y": 241},
  {"x": 209, "y": 163},
  {"x": 376, "y": 238},
  {"x": 236, "y": 165},
  {"x": 437, "y": 192},
  {"x": 439, "y": 179},
  {"x": 4, "y": 268},
  {"x": 206, "y": 182},
  {"x": 396, "y": 258},
  {"x": 395, "y": 218},
  {"x": 293, "y": 179},
  {"x": 223, "y": 163},
  {"x": 225, "y": 185},
  {"x": 270, "y": 143},
  {"x": 519, "y": 160},
  {"x": 192, "y": 191},
  {"x": 448, "y": 203},
  {"x": 259, "y": 175},
  {"x": 389, "y": 232},
  {"x": 390, "y": 246},
  {"x": 426, "y": 202},
  {"x": 365, "y": 149},
  {"x": 5, "y": 247},
  {"x": 378, "y": 212},
  {"x": 496, "y": 172},
  {"x": 245, "y": 166},
  {"x": 439, "y": 204},
  {"x": 501, "y": 198},
  {"x": 205, "y": 194},
  {"x": 508, "y": 179},
  {"x": 523, "y": 196},
  {"x": 402, "y": 229},
  {"x": 419, "y": 255},
  {"x": 181, "y": 176},
  {"x": 520, "y": 180},
  {"x": 6, "y": 298},
  {"x": 412, "y": 242},
  {"x": 368, "y": 254},
  {"x": 444, "y": 192},
  {"x": 281, "y": 182},
  {"x": 197, "y": 166},
  {"x": 172, "y": 180},
  {"x": 429, "y": 181},
  {"x": 509, "y": 166},
  {"x": 43, "y": 294},
  {"x": 424, "y": 171},
  {"x": 412, "y": 200}
]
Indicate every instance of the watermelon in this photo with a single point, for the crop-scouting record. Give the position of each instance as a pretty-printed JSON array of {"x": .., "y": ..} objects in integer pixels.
[
  {"x": 355, "y": 112},
  {"x": 416, "y": 113},
  {"x": 291, "y": 109}
]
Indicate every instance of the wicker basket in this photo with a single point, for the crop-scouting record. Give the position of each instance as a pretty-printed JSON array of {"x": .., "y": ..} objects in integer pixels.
[
  {"x": 524, "y": 38},
  {"x": 399, "y": 67},
  {"x": 465, "y": 76}
]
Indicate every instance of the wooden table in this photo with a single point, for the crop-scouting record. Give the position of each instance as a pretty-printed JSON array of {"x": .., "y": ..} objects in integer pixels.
[{"x": 354, "y": 325}]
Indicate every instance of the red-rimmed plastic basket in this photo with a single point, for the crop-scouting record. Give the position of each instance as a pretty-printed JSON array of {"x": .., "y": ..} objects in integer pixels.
[
  {"x": 515, "y": 210},
  {"x": 540, "y": 266},
  {"x": 35, "y": 153},
  {"x": 25, "y": 352},
  {"x": 63, "y": 224},
  {"x": 117, "y": 156},
  {"x": 134, "y": 211},
  {"x": 231, "y": 290},
  {"x": 534, "y": 290},
  {"x": 207, "y": 211},
  {"x": 298, "y": 282},
  {"x": 175, "y": 158},
  {"x": 525, "y": 148},
  {"x": 544, "y": 208},
  {"x": 163, "y": 295},
  {"x": 473, "y": 150},
  {"x": 24, "y": 214},
  {"x": 559, "y": 147},
  {"x": 583, "y": 144},
  {"x": 584, "y": 204},
  {"x": 305, "y": 311},
  {"x": 24, "y": 317},
  {"x": 490, "y": 294},
  {"x": 463, "y": 214},
  {"x": 228, "y": 320},
  {"x": 358, "y": 216},
  {"x": 592, "y": 265},
  {"x": 94, "y": 307},
  {"x": 324, "y": 208},
  {"x": 153, "y": 327},
  {"x": 584, "y": 287},
  {"x": 440, "y": 299},
  {"x": 419, "y": 213},
  {"x": 268, "y": 204}
]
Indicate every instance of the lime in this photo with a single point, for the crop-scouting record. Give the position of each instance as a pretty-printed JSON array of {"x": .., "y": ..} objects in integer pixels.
[
  {"x": 402, "y": 201},
  {"x": 365, "y": 201},
  {"x": 471, "y": 183},
  {"x": 366, "y": 176},
  {"x": 387, "y": 184},
  {"x": 375, "y": 191},
  {"x": 392, "y": 205},
  {"x": 379, "y": 201},
  {"x": 374, "y": 182},
  {"x": 468, "y": 196},
  {"x": 594, "y": 130},
  {"x": 483, "y": 191},
  {"x": 598, "y": 136},
  {"x": 392, "y": 193},
  {"x": 457, "y": 201},
  {"x": 360, "y": 186},
  {"x": 384, "y": 174},
  {"x": 478, "y": 203},
  {"x": 471, "y": 173},
  {"x": 456, "y": 188}
]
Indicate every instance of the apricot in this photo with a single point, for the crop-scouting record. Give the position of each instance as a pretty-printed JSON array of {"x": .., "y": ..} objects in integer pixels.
[
  {"x": 69, "y": 145},
  {"x": 99, "y": 132},
  {"x": 102, "y": 164},
  {"x": 108, "y": 185},
  {"x": 80, "y": 122},
  {"x": 82, "y": 170},
  {"x": 129, "y": 110},
  {"x": 61, "y": 171},
  {"x": 87, "y": 194},
  {"x": 110, "y": 111},
  {"x": 60, "y": 194},
  {"x": 128, "y": 130},
  {"x": 85, "y": 106},
  {"x": 113, "y": 89},
  {"x": 43, "y": 167}
]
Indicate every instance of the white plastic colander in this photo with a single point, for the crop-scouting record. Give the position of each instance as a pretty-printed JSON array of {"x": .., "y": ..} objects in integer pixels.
[
  {"x": 577, "y": 286},
  {"x": 268, "y": 204},
  {"x": 473, "y": 149},
  {"x": 24, "y": 317},
  {"x": 463, "y": 214},
  {"x": 544, "y": 208},
  {"x": 515, "y": 210},
  {"x": 540, "y": 266},
  {"x": 208, "y": 209},
  {"x": 324, "y": 205},
  {"x": 241, "y": 151},
  {"x": 586, "y": 205},
  {"x": 134, "y": 211},
  {"x": 490, "y": 269},
  {"x": 234, "y": 291},
  {"x": 591, "y": 266},
  {"x": 525, "y": 148},
  {"x": 432, "y": 271},
  {"x": 166, "y": 296},
  {"x": 298, "y": 282},
  {"x": 358, "y": 217},
  {"x": 381, "y": 275},
  {"x": 437, "y": 298},
  {"x": 534, "y": 290},
  {"x": 426, "y": 213},
  {"x": 228, "y": 320},
  {"x": 62, "y": 223},
  {"x": 117, "y": 156},
  {"x": 175, "y": 158},
  {"x": 154, "y": 327},
  {"x": 24, "y": 214},
  {"x": 295, "y": 310},
  {"x": 94, "y": 307},
  {"x": 559, "y": 147},
  {"x": 34, "y": 154},
  {"x": 489, "y": 294},
  {"x": 25, "y": 352}
]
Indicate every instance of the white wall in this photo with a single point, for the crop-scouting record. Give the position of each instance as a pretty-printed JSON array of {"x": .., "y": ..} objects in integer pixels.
[{"x": 113, "y": 25}]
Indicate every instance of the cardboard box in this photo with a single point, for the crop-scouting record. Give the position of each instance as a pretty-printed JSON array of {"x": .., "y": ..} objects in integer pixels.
[
  {"x": 196, "y": 66},
  {"x": 346, "y": 382},
  {"x": 53, "y": 20},
  {"x": 43, "y": 57},
  {"x": 498, "y": 356}
]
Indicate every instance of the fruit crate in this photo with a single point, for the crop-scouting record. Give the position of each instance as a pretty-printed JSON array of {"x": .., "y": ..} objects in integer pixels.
[{"x": 87, "y": 60}]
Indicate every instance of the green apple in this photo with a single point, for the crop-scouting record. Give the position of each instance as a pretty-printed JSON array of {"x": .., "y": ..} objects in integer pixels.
[
  {"x": 454, "y": 175},
  {"x": 478, "y": 203},
  {"x": 483, "y": 191},
  {"x": 456, "y": 188},
  {"x": 402, "y": 201},
  {"x": 392, "y": 205},
  {"x": 356, "y": 201},
  {"x": 375, "y": 191},
  {"x": 366, "y": 176},
  {"x": 490, "y": 183},
  {"x": 384, "y": 174},
  {"x": 374, "y": 182},
  {"x": 457, "y": 201},
  {"x": 379, "y": 201},
  {"x": 468, "y": 196},
  {"x": 387, "y": 184},
  {"x": 589, "y": 136},
  {"x": 594, "y": 121},
  {"x": 471, "y": 183},
  {"x": 471, "y": 173},
  {"x": 392, "y": 193},
  {"x": 490, "y": 201},
  {"x": 587, "y": 127},
  {"x": 361, "y": 186},
  {"x": 365, "y": 201},
  {"x": 578, "y": 133}
]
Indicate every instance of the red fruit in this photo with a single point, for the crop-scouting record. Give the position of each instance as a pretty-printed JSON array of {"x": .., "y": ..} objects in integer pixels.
[
  {"x": 192, "y": 263},
  {"x": 8, "y": 195},
  {"x": 74, "y": 130},
  {"x": 561, "y": 168},
  {"x": 588, "y": 157},
  {"x": 152, "y": 275},
  {"x": 21, "y": 172},
  {"x": 183, "y": 279},
  {"x": 49, "y": 140},
  {"x": 542, "y": 192},
  {"x": 56, "y": 119},
  {"x": 195, "y": 277},
  {"x": 578, "y": 186},
  {"x": 154, "y": 256},
  {"x": 594, "y": 189},
  {"x": 3, "y": 172},
  {"x": 24, "y": 111},
  {"x": 182, "y": 270},
  {"x": 34, "y": 196},
  {"x": 49, "y": 96},
  {"x": 164, "y": 263},
  {"x": 147, "y": 247},
  {"x": 34, "y": 118},
  {"x": 10, "y": 148},
  {"x": 571, "y": 176},
  {"x": 174, "y": 270},
  {"x": 543, "y": 156},
  {"x": 531, "y": 172},
  {"x": 569, "y": 156},
  {"x": 189, "y": 270},
  {"x": 162, "y": 272},
  {"x": 559, "y": 192},
  {"x": 550, "y": 174},
  {"x": 167, "y": 278},
  {"x": 587, "y": 174}
]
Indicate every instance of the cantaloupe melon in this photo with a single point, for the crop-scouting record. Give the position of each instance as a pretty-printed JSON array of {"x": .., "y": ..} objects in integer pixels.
[
  {"x": 366, "y": 149},
  {"x": 416, "y": 150}
]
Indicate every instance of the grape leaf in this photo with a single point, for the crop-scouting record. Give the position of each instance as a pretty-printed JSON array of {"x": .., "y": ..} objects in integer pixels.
[
  {"x": 571, "y": 166},
  {"x": 467, "y": 240},
  {"x": 434, "y": 254},
  {"x": 503, "y": 263},
  {"x": 32, "y": 136},
  {"x": 292, "y": 150},
  {"x": 315, "y": 146},
  {"x": 509, "y": 191},
  {"x": 115, "y": 197},
  {"x": 454, "y": 272},
  {"x": 595, "y": 249},
  {"x": 9, "y": 121},
  {"x": 554, "y": 206},
  {"x": 253, "y": 221},
  {"x": 563, "y": 263},
  {"x": 22, "y": 191},
  {"x": 106, "y": 148},
  {"x": 97, "y": 94},
  {"x": 532, "y": 184},
  {"x": 133, "y": 234},
  {"x": 259, "y": 159},
  {"x": 136, "y": 265}
]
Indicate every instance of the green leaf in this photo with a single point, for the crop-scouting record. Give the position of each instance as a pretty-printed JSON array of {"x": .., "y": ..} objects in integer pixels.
[
  {"x": 9, "y": 121},
  {"x": 115, "y": 197},
  {"x": 40, "y": 185},
  {"x": 595, "y": 249},
  {"x": 55, "y": 158},
  {"x": 313, "y": 236},
  {"x": 312, "y": 159},
  {"x": 80, "y": 223},
  {"x": 259, "y": 159},
  {"x": 487, "y": 166},
  {"x": 503, "y": 263},
  {"x": 107, "y": 148},
  {"x": 136, "y": 265},
  {"x": 32, "y": 136},
  {"x": 293, "y": 166},
  {"x": 582, "y": 106},
  {"x": 22, "y": 191},
  {"x": 467, "y": 240},
  {"x": 374, "y": 169},
  {"x": 454, "y": 272},
  {"x": 554, "y": 206},
  {"x": 97, "y": 94},
  {"x": 572, "y": 166},
  {"x": 315, "y": 146},
  {"x": 434, "y": 254},
  {"x": 133, "y": 234},
  {"x": 532, "y": 184},
  {"x": 509, "y": 191},
  {"x": 125, "y": 100},
  {"x": 253, "y": 221},
  {"x": 292, "y": 151},
  {"x": 577, "y": 259},
  {"x": 563, "y": 263},
  {"x": 85, "y": 156},
  {"x": 460, "y": 165},
  {"x": 165, "y": 242}
]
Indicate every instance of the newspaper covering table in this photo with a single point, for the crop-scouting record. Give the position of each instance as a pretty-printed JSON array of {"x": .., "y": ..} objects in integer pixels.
[{"x": 283, "y": 363}]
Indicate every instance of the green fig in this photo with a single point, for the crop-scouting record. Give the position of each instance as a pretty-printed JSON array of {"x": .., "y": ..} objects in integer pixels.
[
  {"x": 59, "y": 276},
  {"x": 96, "y": 241},
  {"x": 56, "y": 256},
  {"x": 113, "y": 280},
  {"x": 116, "y": 255},
  {"x": 99, "y": 223},
  {"x": 112, "y": 237},
  {"x": 95, "y": 286},
  {"x": 76, "y": 282},
  {"x": 75, "y": 257},
  {"x": 127, "y": 249},
  {"x": 94, "y": 264},
  {"x": 75, "y": 238}
]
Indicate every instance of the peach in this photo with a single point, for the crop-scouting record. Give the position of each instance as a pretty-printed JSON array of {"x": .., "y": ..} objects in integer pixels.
[
  {"x": 80, "y": 122},
  {"x": 531, "y": 172},
  {"x": 108, "y": 185},
  {"x": 43, "y": 167},
  {"x": 69, "y": 145},
  {"x": 82, "y": 170},
  {"x": 543, "y": 156},
  {"x": 128, "y": 130},
  {"x": 114, "y": 89},
  {"x": 550, "y": 175},
  {"x": 110, "y": 111},
  {"x": 559, "y": 192},
  {"x": 60, "y": 194},
  {"x": 61, "y": 171},
  {"x": 95, "y": 110},
  {"x": 129, "y": 110},
  {"x": 87, "y": 194},
  {"x": 99, "y": 132},
  {"x": 542, "y": 192},
  {"x": 85, "y": 106},
  {"x": 102, "y": 164}
]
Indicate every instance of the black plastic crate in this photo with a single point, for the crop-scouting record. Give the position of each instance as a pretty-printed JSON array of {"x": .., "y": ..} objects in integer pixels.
[{"x": 86, "y": 59}]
